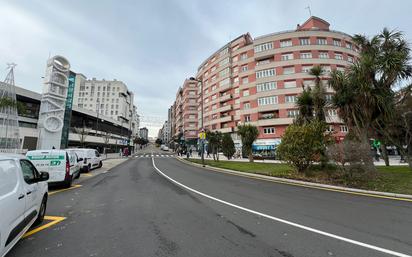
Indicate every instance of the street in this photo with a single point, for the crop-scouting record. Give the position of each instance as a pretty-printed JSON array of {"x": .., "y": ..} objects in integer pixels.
[{"x": 135, "y": 210}]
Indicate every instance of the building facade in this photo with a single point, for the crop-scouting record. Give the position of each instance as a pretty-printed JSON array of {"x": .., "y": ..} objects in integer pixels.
[
  {"x": 186, "y": 112},
  {"x": 144, "y": 133},
  {"x": 257, "y": 80}
]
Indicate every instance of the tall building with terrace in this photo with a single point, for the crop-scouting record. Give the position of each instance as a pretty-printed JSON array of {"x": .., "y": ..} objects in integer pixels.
[{"x": 257, "y": 80}]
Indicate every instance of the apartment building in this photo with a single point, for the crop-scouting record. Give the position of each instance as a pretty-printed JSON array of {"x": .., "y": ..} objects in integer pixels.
[
  {"x": 257, "y": 80},
  {"x": 185, "y": 112},
  {"x": 110, "y": 98}
]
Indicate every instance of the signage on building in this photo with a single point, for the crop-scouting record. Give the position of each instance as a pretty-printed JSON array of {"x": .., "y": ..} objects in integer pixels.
[{"x": 68, "y": 111}]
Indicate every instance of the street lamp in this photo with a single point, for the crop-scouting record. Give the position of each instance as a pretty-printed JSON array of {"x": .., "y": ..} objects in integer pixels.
[{"x": 201, "y": 118}]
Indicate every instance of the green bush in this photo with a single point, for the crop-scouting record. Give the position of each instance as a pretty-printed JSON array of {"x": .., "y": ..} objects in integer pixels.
[
  {"x": 302, "y": 144},
  {"x": 228, "y": 146}
]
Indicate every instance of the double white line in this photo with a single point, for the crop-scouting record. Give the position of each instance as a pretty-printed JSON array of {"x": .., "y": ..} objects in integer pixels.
[{"x": 317, "y": 231}]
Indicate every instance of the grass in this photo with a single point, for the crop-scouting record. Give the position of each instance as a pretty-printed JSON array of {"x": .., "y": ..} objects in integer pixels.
[{"x": 394, "y": 179}]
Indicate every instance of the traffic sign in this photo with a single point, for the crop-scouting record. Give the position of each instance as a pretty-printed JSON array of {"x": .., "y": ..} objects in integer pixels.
[{"x": 202, "y": 135}]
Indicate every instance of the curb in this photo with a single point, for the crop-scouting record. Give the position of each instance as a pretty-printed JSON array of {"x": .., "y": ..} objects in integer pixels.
[{"x": 304, "y": 183}]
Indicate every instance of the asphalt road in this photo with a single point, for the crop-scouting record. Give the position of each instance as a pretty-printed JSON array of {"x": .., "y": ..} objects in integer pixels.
[{"x": 133, "y": 210}]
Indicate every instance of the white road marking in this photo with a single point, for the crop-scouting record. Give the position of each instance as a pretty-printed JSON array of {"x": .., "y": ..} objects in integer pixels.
[{"x": 348, "y": 240}]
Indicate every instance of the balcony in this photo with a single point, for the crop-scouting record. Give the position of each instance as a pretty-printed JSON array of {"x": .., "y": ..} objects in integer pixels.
[
  {"x": 225, "y": 130},
  {"x": 225, "y": 108},
  {"x": 224, "y": 87},
  {"x": 225, "y": 119},
  {"x": 225, "y": 97},
  {"x": 275, "y": 121}
]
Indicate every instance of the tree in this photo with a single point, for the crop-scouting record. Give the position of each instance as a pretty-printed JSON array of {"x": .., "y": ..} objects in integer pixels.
[
  {"x": 158, "y": 141},
  {"x": 305, "y": 106},
  {"x": 302, "y": 144},
  {"x": 82, "y": 132},
  {"x": 365, "y": 96},
  {"x": 215, "y": 143},
  {"x": 248, "y": 134},
  {"x": 318, "y": 94},
  {"x": 228, "y": 146}
]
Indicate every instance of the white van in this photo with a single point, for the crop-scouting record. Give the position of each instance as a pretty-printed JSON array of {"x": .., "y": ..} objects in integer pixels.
[
  {"x": 91, "y": 158},
  {"x": 63, "y": 166},
  {"x": 23, "y": 198}
]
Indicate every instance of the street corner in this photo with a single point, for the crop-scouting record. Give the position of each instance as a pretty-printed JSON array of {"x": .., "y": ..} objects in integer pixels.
[{"x": 48, "y": 222}]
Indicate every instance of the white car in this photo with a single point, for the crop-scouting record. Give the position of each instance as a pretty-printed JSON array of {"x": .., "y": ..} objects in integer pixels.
[
  {"x": 63, "y": 166},
  {"x": 23, "y": 198},
  {"x": 91, "y": 158},
  {"x": 165, "y": 148}
]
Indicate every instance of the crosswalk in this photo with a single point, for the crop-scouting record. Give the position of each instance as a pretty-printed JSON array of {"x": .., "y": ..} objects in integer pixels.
[{"x": 148, "y": 155}]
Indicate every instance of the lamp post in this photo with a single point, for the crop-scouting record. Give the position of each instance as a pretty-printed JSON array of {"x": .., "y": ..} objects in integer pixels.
[{"x": 201, "y": 118}]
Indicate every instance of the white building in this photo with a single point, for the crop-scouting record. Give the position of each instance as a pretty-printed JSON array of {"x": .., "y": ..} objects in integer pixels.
[{"x": 110, "y": 98}]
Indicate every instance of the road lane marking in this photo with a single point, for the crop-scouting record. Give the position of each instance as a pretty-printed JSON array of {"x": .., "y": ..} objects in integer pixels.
[
  {"x": 65, "y": 189},
  {"x": 87, "y": 175},
  {"x": 317, "y": 231},
  {"x": 54, "y": 221}
]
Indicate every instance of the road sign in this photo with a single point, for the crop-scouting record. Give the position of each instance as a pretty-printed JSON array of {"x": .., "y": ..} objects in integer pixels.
[{"x": 202, "y": 135}]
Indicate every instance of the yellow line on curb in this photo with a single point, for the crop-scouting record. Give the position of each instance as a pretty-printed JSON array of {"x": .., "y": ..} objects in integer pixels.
[
  {"x": 300, "y": 185},
  {"x": 87, "y": 175},
  {"x": 54, "y": 221},
  {"x": 62, "y": 190}
]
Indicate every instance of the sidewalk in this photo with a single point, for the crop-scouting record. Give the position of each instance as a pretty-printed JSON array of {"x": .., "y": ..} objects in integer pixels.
[{"x": 393, "y": 160}]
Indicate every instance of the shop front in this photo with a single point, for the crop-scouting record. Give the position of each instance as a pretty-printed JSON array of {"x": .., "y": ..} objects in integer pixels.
[{"x": 265, "y": 148}]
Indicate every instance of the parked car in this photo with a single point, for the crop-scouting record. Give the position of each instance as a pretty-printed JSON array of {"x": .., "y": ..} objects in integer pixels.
[
  {"x": 23, "y": 198},
  {"x": 62, "y": 165},
  {"x": 162, "y": 147},
  {"x": 91, "y": 158},
  {"x": 165, "y": 148}
]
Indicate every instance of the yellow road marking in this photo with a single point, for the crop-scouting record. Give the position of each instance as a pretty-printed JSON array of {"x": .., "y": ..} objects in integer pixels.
[
  {"x": 62, "y": 190},
  {"x": 310, "y": 186},
  {"x": 87, "y": 175},
  {"x": 54, "y": 221}
]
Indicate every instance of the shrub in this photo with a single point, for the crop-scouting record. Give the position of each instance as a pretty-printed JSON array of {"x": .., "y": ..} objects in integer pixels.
[
  {"x": 302, "y": 144},
  {"x": 228, "y": 146}
]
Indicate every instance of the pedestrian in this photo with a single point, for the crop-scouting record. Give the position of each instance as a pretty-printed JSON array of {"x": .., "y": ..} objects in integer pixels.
[
  {"x": 208, "y": 153},
  {"x": 190, "y": 152}
]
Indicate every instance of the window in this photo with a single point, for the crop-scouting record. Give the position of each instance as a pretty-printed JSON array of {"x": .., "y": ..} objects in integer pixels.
[
  {"x": 304, "y": 41},
  {"x": 246, "y": 106},
  {"x": 332, "y": 113},
  {"x": 338, "y": 56},
  {"x": 263, "y": 47},
  {"x": 293, "y": 113},
  {"x": 290, "y": 84},
  {"x": 267, "y": 100},
  {"x": 246, "y": 92},
  {"x": 322, "y": 41},
  {"x": 245, "y": 80},
  {"x": 213, "y": 69},
  {"x": 213, "y": 87},
  {"x": 224, "y": 72},
  {"x": 236, "y": 58},
  {"x": 243, "y": 56},
  {"x": 288, "y": 70},
  {"x": 323, "y": 55},
  {"x": 247, "y": 118},
  {"x": 266, "y": 61},
  {"x": 350, "y": 59},
  {"x": 285, "y": 43},
  {"x": 330, "y": 128},
  {"x": 348, "y": 45},
  {"x": 235, "y": 69},
  {"x": 336, "y": 42},
  {"x": 286, "y": 57},
  {"x": 224, "y": 51},
  {"x": 306, "y": 55},
  {"x": 236, "y": 80},
  {"x": 266, "y": 86},
  {"x": 306, "y": 68},
  {"x": 214, "y": 97},
  {"x": 29, "y": 171},
  {"x": 225, "y": 81},
  {"x": 326, "y": 69},
  {"x": 265, "y": 73},
  {"x": 236, "y": 90},
  {"x": 290, "y": 99},
  {"x": 344, "y": 129},
  {"x": 244, "y": 68},
  {"x": 213, "y": 78},
  {"x": 269, "y": 130},
  {"x": 224, "y": 61}
]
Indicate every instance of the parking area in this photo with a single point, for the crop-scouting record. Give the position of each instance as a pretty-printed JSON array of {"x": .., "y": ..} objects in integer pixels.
[{"x": 50, "y": 220}]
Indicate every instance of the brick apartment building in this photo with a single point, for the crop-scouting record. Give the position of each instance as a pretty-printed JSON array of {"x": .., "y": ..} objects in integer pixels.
[{"x": 257, "y": 80}]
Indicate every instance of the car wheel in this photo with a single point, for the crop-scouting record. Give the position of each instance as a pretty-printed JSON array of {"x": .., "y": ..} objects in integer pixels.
[
  {"x": 100, "y": 164},
  {"x": 42, "y": 212},
  {"x": 68, "y": 183}
]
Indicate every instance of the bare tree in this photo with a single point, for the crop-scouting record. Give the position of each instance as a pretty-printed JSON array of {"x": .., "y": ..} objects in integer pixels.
[
  {"x": 82, "y": 132},
  {"x": 106, "y": 137}
]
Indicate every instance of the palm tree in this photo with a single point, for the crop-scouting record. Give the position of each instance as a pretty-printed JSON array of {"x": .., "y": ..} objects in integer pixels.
[
  {"x": 248, "y": 134},
  {"x": 365, "y": 96},
  {"x": 305, "y": 106},
  {"x": 318, "y": 94}
]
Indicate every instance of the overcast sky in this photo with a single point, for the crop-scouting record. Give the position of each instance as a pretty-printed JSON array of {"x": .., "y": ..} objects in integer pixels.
[{"x": 154, "y": 45}]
